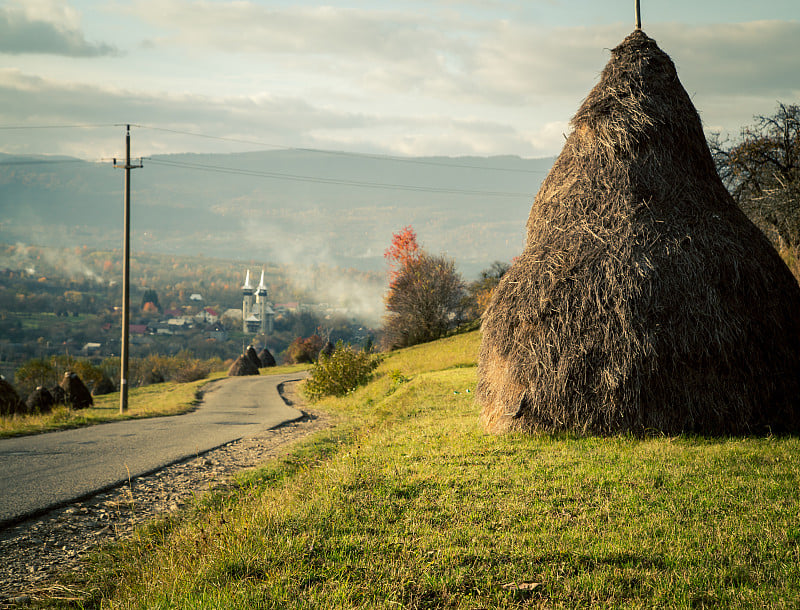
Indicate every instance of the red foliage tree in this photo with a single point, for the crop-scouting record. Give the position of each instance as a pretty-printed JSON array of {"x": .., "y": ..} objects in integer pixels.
[
  {"x": 304, "y": 350},
  {"x": 402, "y": 250}
]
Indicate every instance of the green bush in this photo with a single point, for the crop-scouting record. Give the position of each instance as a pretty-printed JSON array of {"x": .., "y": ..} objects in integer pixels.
[{"x": 341, "y": 372}]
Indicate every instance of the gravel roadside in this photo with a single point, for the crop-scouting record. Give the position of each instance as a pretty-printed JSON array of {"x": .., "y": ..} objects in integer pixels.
[{"x": 35, "y": 552}]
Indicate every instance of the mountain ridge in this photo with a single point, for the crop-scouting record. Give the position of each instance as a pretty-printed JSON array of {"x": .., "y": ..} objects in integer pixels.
[{"x": 298, "y": 206}]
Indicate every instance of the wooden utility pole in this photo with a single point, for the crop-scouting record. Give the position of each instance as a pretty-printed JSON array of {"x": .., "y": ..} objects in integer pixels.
[
  {"x": 126, "y": 274},
  {"x": 638, "y": 16}
]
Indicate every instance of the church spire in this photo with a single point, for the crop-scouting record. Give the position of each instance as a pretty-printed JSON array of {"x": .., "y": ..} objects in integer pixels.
[
  {"x": 262, "y": 287},
  {"x": 248, "y": 287}
]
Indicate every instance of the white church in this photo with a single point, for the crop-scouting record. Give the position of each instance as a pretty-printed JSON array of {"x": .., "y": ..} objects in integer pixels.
[{"x": 257, "y": 314}]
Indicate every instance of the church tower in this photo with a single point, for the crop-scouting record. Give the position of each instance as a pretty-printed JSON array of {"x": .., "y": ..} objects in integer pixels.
[
  {"x": 265, "y": 313},
  {"x": 247, "y": 300}
]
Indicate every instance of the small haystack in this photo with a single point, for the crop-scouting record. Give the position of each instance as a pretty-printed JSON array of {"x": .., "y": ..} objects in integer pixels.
[
  {"x": 267, "y": 359},
  {"x": 644, "y": 300},
  {"x": 327, "y": 350},
  {"x": 40, "y": 401},
  {"x": 104, "y": 386},
  {"x": 77, "y": 394},
  {"x": 251, "y": 353},
  {"x": 59, "y": 395},
  {"x": 242, "y": 366},
  {"x": 10, "y": 404}
]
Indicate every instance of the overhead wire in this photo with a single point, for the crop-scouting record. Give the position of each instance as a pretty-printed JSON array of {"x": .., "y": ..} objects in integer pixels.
[
  {"x": 377, "y": 157},
  {"x": 336, "y": 181},
  {"x": 285, "y": 176}
]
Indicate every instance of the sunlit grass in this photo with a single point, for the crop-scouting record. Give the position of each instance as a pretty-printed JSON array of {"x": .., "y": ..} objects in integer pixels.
[{"x": 407, "y": 503}]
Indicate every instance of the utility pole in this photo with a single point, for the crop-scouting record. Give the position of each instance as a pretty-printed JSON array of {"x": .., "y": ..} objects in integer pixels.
[
  {"x": 638, "y": 16},
  {"x": 126, "y": 273}
]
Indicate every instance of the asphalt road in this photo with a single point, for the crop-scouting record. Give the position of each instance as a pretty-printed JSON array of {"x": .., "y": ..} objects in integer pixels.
[{"x": 40, "y": 472}]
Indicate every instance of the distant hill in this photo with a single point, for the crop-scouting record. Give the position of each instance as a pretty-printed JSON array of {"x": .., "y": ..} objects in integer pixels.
[{"x": 277, "y": 206}]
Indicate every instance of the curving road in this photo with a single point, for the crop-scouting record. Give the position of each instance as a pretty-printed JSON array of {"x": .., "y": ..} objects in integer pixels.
[{"x": 40, "y": 472}]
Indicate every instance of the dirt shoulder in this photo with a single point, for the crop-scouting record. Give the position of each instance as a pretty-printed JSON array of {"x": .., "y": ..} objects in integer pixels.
[{"x": 35, "y": 552}]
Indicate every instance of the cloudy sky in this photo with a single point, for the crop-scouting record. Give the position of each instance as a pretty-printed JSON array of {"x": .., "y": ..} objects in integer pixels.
[{"x": 432, "y": 77}]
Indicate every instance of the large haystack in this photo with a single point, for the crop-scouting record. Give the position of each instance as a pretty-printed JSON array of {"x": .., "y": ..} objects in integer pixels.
[
  {"x": 77, "y": 394},
  {"x": 10, "y": 403},
  {"x": 267, "y": 359},
  {"x": 251, "y": 353},
  {"x": 644, "y": 300},
  {"x": 242, "y": 366}
]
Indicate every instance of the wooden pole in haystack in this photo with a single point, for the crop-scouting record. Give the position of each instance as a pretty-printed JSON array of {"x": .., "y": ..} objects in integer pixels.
[{"x": 638, "y": 16}]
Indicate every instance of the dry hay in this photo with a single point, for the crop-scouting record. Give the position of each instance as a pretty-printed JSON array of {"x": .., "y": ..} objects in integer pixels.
[
  {"x": 104, "y": 386},
  {"x": 76, "y": 392},
  {"x": 644, "y": 300},
  {"x": 242, "y": 366},
  {"x": 59, "y": 395},
  {"x": 267, "y": 359},
  {"x": 10, "y": 404},
  {"x": 251, "y": 353},
  {"x": 40, "y": 401}
]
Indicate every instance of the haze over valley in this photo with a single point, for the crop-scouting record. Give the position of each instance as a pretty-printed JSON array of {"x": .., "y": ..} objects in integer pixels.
[{"x": 281, "y": 207}]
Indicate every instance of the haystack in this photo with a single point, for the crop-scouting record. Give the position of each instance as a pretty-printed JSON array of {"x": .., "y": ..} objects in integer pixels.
[
  {"x": 267, "y": 359},
  {"x": 59, "y": 395},
  {"x": 10, "y": 403},
  {"x": 77, "y": 394},
  {"x": 251, "y": 353},
  {"x": 644, "y": 300},
  {"x": 40, "y": 401},
  {"x": 104, "y": 386},
  {"x": 242, "y": 366}
]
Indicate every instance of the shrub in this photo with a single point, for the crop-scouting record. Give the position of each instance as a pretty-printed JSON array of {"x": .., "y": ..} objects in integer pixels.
[
  {"x": 304, "y": 350},
  {"x": 341, "y": 372},
  {"x": 34, "y": 373}
]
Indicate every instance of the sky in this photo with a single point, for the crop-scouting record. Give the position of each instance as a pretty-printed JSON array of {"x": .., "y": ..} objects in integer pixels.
[{"x": 418, "y": 78}]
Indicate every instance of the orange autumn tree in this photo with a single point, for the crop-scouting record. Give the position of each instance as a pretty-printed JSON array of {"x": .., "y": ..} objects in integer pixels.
[
  {"x": 402, "y": 250},
  {"x": 425, "y": 297}
]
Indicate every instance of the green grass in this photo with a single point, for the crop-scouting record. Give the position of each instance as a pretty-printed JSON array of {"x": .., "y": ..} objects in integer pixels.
[
  {"x": 406, "y": 503},
  {"x": 157, "y": 400}
]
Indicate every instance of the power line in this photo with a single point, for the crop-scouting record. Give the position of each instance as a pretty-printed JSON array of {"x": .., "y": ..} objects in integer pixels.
[
  {"x": 42, "y": 162},
  {"x": 75, "y": 126},
  {"x": 336, "y": 181},
  {"x": 342, "y": 153}
]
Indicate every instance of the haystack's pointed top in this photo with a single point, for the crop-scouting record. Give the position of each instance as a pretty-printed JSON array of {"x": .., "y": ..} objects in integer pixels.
[{"x": 639, "y": 98}]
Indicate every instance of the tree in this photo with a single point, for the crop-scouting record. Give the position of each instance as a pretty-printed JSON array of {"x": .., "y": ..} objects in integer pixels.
[
  {"x": 304, "y": 350},
  {"x": 150, "y": 296},
  {"x": 762, "y": 172},
  {"x": 424, "y": 301},
  {"x": 402, "y": 250},
  {"x": 480, "y": 291}
]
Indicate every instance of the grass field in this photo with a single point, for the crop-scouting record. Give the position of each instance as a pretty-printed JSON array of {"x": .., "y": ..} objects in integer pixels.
[
  {"x": 158, "y": 400},
  {"x": 406, "y": 503}
]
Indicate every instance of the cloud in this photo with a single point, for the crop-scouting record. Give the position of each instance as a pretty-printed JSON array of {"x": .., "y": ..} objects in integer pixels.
[
  {"x": 261, "y": 119},
  {"x": 41, "y": 26}
]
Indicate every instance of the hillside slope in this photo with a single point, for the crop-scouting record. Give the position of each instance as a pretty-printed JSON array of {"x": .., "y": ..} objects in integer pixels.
[{"x": 406, "y": 502}]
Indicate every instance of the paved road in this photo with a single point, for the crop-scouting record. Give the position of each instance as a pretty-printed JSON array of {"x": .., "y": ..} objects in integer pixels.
[{"x": 47, "y": 470}]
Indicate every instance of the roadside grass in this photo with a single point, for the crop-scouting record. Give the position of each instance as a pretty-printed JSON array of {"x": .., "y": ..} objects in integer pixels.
[
  {"x": 157, "y": 400},
  {"x": 407, "y": 503}
]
